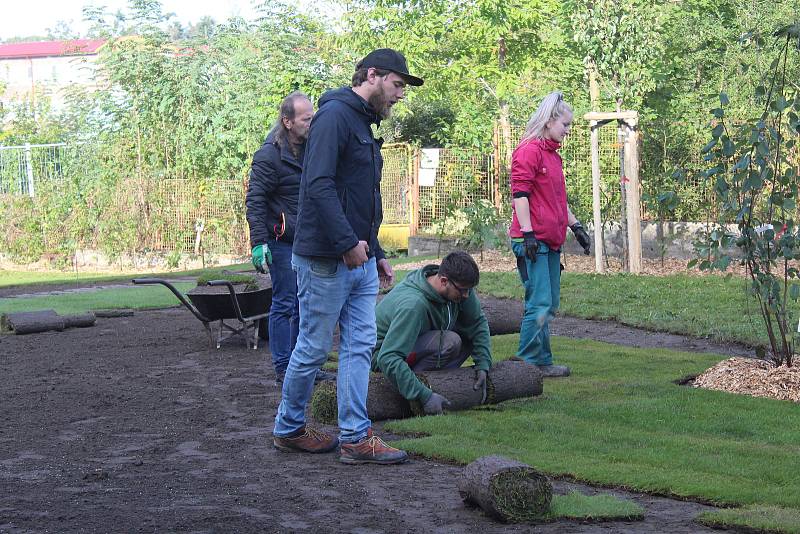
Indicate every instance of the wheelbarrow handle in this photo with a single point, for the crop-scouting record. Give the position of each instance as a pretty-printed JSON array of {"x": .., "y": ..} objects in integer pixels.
[
  {"x": 234, "y": 300},
  {"x": 184, "y": 301}
]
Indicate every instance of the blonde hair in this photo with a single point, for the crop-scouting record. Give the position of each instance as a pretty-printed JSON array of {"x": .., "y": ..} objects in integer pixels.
[{"x": 552, "y": 107}]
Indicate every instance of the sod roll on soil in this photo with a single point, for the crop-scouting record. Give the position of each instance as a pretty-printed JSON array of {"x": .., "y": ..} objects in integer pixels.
[
  {"x": 506, "y": 489},
  {"x": 507, "y": 380},
  {"x": 34, "y": 322},
  {"x": 503, "y": 315},
  {"x": 79, "y": 320}
]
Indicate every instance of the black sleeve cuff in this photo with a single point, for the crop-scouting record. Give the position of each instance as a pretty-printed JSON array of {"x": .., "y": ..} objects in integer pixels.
[{"x": 521, "y": 194}]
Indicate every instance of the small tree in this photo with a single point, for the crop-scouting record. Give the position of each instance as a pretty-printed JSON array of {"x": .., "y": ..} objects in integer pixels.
[
  {"x": 484, "y": 228},
  {"x": 756, "y": 185}
]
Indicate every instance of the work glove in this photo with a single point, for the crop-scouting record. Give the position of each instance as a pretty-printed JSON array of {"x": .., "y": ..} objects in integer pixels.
[
  {"x": 481, "y": 383},
  {"x": 581, "y": 236},
  {"x": 435, "y": 405},
  {"x": 261, "y": 258},
  {"x": 531, "y": 245}
]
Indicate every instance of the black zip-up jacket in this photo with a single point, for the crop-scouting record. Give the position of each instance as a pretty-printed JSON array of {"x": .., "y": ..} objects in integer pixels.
[
  {"x": 273, "y": 191},
  {"x": 340, "y": 195}
]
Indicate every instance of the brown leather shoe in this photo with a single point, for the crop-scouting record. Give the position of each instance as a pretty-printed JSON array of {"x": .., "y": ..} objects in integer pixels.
[
  {"x": 371, "y": 450},
  {"x": 306, "y": 440}
]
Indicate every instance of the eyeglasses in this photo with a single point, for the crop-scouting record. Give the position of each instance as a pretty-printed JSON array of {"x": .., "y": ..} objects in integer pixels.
[{"x": 463, "y": 290}]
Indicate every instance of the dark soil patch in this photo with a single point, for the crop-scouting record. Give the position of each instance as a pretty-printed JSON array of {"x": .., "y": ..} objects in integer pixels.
[
  {"x": 612, "y": 332},
  {"x": 136, "y": 424}
]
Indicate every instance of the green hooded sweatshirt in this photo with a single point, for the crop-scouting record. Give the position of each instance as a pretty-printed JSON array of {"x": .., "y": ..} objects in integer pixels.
[{"x": 412, "y": 308}]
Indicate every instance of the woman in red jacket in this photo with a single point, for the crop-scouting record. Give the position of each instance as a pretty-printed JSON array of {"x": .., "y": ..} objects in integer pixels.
[{"x": 539, "y": 226}]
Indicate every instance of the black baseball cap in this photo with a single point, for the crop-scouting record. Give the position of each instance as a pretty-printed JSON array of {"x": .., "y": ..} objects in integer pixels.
[{"x": 388, "y": 59}]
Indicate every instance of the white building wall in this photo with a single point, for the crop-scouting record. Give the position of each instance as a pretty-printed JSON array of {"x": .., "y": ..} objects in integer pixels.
[{"x": 48, "y": 74}]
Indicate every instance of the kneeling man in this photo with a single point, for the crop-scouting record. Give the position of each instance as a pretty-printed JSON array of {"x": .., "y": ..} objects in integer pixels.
[{"x": 432, "y": 320}]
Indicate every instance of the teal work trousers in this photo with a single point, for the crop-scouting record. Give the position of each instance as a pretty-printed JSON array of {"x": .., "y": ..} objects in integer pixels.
[{"x": 542, "y": 281}]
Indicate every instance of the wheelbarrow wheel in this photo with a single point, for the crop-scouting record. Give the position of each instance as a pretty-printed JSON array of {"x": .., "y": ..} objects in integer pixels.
[{"x": 263, "y": 329}]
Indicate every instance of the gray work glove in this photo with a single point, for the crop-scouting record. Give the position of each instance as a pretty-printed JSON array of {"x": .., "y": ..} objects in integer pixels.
[
  {"x": 581, "y": 236},
  {"x": 436, "y": 404},
  {"x": 531, "y": 245},
  {"x": 481, "y": 383}
]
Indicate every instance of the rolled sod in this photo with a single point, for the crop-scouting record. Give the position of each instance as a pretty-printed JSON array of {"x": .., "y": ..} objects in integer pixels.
[
  {"x": 506, "y": 489},
  {"x": 383, "y": 401},
  {"x": 80, "y": 320},
  {"x": 503, "y": 315},
  {"x": 507, "y": 380},
  {"x": 32, "y": 322},
  {"x": 513, "y": 379},
  {"x": 114, "y": 312}
]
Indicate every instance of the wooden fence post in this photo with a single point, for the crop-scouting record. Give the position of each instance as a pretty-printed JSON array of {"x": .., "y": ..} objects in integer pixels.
[
  {"x": 496, "y": 166},
  {"x": 632, "y": 201},
  {"x": 598, "y": 220}
]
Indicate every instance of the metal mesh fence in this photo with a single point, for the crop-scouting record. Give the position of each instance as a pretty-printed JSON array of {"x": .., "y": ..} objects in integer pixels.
[
  {"x": 396, "y": 183},
  {"x": 167, "y": 213},
  {"x": 462, "y": 178},
  {"x": 21, "y": 167},
  {"x": 61, "y": 187}
]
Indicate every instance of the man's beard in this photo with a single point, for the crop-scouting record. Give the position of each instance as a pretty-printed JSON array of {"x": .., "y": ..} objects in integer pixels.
[{"x": 378, "y": 102}]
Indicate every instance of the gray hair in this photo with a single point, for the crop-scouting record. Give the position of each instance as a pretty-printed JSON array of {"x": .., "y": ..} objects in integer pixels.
[
  {"x": 286, "y": 111},
  {"x": 552, "y": 107}
]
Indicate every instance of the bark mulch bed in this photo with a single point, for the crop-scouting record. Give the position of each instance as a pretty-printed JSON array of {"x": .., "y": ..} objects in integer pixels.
[{"x": 749, "y": 376}]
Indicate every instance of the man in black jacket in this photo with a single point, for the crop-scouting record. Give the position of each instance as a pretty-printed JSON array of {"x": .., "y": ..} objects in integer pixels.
[
  {"x": 339, "y": 261},
  {"x": 272, "y": 215}
]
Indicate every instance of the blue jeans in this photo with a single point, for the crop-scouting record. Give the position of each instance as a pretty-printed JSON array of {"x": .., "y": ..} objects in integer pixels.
[
  {"x": 330, "y": 293},
  {"x": 284, "y": 315},
  {"x": 542, "y": 281}
]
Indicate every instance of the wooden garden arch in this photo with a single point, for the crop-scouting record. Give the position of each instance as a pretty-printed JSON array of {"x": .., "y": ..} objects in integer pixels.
[{"x": 627, "y": 122}]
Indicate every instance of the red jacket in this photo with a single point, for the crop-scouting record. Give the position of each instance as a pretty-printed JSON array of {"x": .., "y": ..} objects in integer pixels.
[{"x": 536, "y": 169}]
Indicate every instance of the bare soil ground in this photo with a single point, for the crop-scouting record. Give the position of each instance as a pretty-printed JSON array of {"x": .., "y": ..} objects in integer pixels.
[{"x": 136, "y": 424}]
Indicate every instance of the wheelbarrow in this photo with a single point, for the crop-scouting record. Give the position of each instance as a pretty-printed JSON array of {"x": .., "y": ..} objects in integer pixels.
[{"x": 249, "y": 308}]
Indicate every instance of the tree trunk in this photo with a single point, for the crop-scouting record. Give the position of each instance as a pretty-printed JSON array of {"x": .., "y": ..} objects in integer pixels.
[
  {"x": 32, "y": 322},
  {"x": 506, "y": 489},
  {"x": 507, "y": 380}
]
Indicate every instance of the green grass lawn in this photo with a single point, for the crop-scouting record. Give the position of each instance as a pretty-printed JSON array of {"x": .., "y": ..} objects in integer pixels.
[
  {"x": 10, "y": 278},
  {"x": 603, "y": 507},
  {"x": 620, "y": 420},
  {"x": 761, "y": 518},
  {"x": 21, "y": 278},
  {"x": 135, "y": 297},
  {"x": 703, "y": 306}
]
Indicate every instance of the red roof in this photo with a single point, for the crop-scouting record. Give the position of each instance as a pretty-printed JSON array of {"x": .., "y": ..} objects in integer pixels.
[{"x": 50, "y": 48}]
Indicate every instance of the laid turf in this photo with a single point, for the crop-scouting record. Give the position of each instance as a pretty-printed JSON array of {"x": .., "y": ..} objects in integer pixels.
[{"x": 620, "y": 419}]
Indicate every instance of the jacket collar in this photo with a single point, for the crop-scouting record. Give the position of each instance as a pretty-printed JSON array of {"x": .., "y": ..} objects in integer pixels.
[
  {"x": 549, "y": 144},
  {"x": 353, "y": 100},
  {"x": 287, "y": 156}
]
